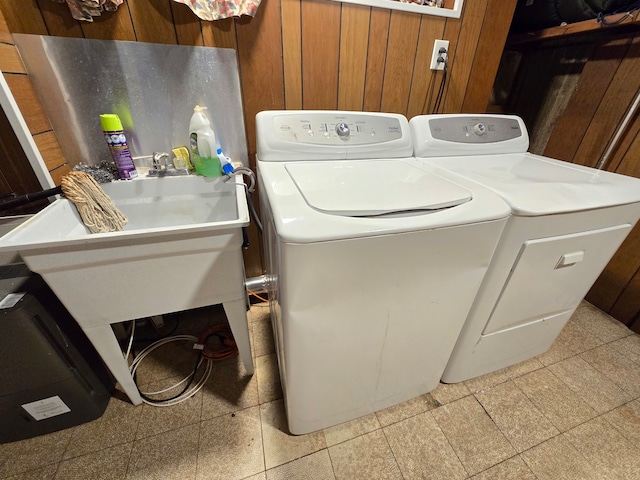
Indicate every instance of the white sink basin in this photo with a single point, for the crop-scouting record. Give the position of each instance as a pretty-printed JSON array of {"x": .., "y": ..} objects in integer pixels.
[
  {"x": 153, "y": 206},
  {"x": 175, "y": 252}
]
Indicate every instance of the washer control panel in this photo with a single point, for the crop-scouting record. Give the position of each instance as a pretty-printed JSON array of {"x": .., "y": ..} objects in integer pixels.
[
  {"x": 470, "y": 129},
  {"x": 340, "y": 129}
]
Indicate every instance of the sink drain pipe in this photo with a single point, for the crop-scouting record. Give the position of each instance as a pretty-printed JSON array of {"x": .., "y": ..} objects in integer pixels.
[{"x": 256, "y": 284}]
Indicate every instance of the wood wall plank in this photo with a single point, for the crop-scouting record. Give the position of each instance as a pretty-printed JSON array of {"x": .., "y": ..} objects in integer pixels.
[
  {"x": 431, "y": 28},
  {"x": 219, "y": 33},
  {"x": 627, "y": 306},
  {"x": 260, "y": 64},
  {"x": 320, "y": 52},
  {"x": 292, "y": 53},
  {"x": 5, "y": 33},
  {"x": 152, "y": 21},
  {"x": 495, "y": 27},
  {"x": 465, "y": 51},
  {"x": 618, "y": 97},
  {"x": 111, "y": 25},
  {"x": 28, "y": 103},
  {"x": 597, "y": 74},
  {"x": 187, "y": 25},
  {"x": 624, "y": 151},
  {"x": 354, "y": 37},
  {"x": 376, "y": 58},
  {"x": 616, "y": 276},
  {"x": 58, "y": 173},
  {"x": 401, "y": 52},
  {"x": 10, "y": 61},
  {"x": 49, "y": 148},
  {"x": 58, "y": 19},
  {"x": 23, "y": 16},
  {"x": 15, "y": 166}
]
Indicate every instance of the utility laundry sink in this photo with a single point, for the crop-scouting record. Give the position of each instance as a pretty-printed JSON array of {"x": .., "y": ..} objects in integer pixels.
[{"x": 181, "y": 249}]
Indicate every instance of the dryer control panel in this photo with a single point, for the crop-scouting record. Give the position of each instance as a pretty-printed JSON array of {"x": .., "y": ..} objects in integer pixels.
[
  {"x": 462, "y": 134},
  {"x": 474, "y": 129},
  {"x": 331, "y": 135}
]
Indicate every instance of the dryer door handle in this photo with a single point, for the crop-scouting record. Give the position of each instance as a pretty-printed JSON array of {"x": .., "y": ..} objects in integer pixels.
[{"x": 570, "y": 259}]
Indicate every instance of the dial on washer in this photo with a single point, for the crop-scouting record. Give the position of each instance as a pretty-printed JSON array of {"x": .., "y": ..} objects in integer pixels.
[{"x": 343, "y": 131}]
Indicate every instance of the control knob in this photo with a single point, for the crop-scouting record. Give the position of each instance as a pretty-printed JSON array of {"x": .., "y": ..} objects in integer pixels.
[
  {"x": 343, "y": 131},
  {"x": 479, "y": 129}
]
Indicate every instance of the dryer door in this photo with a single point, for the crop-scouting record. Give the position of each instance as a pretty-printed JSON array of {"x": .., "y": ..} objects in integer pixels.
[{"x": 552, "y": 275}]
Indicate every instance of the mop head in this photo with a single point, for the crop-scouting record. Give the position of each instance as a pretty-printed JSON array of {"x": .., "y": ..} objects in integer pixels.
[{"x": 96, "y": 209}]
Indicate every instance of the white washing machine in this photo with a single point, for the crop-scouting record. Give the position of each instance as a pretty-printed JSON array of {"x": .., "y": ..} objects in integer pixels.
[
  {"x": 567, "y": 221},
  {"x": 373, "y": 263}
]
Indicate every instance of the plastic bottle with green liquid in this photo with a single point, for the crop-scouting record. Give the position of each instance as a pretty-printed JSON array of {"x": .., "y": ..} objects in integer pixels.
[{"x": 202, "y": 141}]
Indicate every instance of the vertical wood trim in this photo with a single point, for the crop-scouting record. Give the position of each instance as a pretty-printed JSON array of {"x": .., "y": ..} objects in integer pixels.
[
  {"x": 152, "y": 21},
  {"x": 431, "y": 29},
  {"x": 596, "y": 76},
  {"x": 292, "y": 53},
  {"x": 187, "y": 25},
  {"x": 23, "y": 16},
  {"x": 495, "y": 27},
  {"x": 376, "y": 58},
  {"x": 111, "y": 26},
  {"x": 58, "y": 19},
  {"x": 401, "y": 52},
  {"x": 465, "y": 51},
  {"x": 219, "y": 33},
  {"x": 354, "y": 36},
  {"x": 615, "y": 103},
  {"x": 320, "y": 53}
]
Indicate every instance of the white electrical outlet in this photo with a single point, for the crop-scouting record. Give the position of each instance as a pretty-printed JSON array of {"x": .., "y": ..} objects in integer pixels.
[{"x": 439, "y": 44}]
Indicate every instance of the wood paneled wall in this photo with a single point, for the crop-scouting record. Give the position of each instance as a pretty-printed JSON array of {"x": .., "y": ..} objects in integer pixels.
[
  {"x": 312, "y": 54},
  {"x": 608, "y": 81}
]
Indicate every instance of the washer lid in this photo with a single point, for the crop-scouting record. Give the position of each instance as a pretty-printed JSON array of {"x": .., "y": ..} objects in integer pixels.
[{"x": 365, "y": 188}]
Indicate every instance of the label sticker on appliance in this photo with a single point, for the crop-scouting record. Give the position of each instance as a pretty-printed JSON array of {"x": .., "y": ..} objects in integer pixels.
[
  {"x": 11, "y": 299},
  {"x": 46, "y": 408}
]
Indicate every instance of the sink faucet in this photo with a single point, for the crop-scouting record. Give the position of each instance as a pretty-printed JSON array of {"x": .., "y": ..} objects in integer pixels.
[
  {"x": 160, "y": 166},
  {"x": 160, "y": 160}
]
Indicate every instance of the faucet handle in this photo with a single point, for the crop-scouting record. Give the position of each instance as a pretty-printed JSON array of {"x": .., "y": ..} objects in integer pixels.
[{"x": 160, "y": 160}]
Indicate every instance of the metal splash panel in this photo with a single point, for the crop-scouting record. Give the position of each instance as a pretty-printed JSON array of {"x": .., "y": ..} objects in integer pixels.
[{"x": 152, "y": 87}]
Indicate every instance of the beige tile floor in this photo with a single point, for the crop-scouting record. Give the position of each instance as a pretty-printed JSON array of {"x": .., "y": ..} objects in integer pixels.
[{"x": 571, "y": 413}]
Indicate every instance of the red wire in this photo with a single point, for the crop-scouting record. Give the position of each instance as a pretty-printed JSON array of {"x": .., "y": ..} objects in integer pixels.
[{"x": 223, "y": 332}]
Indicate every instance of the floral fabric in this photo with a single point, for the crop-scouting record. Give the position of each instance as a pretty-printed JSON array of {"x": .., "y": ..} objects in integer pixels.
[{"x": 219, "y": 9}]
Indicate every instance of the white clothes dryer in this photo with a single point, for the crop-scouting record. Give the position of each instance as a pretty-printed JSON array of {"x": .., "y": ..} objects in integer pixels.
[
  {"x": 567, "y": 222},
  {"x": 372, "y": 262}
]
